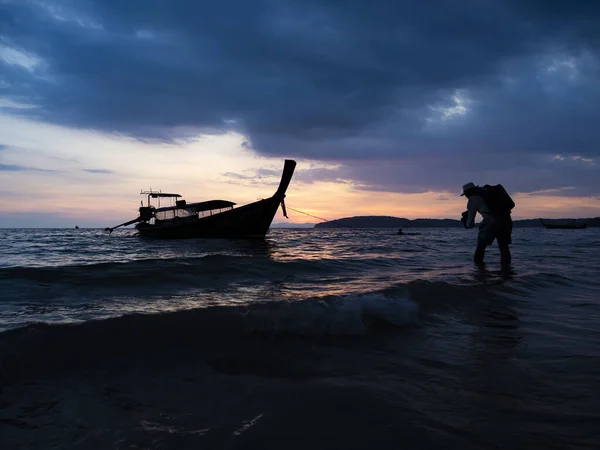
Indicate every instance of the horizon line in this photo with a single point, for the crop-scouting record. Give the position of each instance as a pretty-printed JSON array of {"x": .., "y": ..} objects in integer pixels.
[{"x": 293, "y": 224}]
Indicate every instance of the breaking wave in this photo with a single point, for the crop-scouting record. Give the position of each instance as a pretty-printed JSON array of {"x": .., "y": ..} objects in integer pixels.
[
  {"x": 38, "y": 348},
  {"x": 349, "y": 315}
]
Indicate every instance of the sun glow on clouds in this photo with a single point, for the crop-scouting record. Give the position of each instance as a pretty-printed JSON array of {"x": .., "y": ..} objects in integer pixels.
[
  {"x": 82, "y": 175},
  {"x": 79, "y": 173},
  {"x": 95, "y": 179}
]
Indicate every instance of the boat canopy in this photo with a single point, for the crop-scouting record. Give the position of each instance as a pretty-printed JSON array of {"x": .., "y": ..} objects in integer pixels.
[
  {"x": 199, "y": 206},
  {"x": 208, "y": 205},
  {"x": 160, "y": 194}
]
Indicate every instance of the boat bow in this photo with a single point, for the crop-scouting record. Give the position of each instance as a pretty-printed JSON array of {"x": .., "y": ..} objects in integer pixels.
[{"x": 288, "y": 171}]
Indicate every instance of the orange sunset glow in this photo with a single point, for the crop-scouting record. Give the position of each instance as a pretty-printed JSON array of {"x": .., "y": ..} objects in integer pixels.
[{"x": 118, "y": 168}]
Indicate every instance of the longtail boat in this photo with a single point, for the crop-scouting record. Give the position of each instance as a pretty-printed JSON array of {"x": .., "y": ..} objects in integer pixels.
[{"x": 212, "y": 218}]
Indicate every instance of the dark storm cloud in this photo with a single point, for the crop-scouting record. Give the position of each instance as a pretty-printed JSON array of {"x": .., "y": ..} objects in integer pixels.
[
  {"x": 363, "y": 82},
  {"x": 98, "y": 171},
  {"x": 12, "y": 168},
  {"x": 19, "y": 168}
]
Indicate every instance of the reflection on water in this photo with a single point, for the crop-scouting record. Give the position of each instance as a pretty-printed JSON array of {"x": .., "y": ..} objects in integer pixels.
[
  {"x": 482, "y": 273},
  {"x": 55, "y": 273}
]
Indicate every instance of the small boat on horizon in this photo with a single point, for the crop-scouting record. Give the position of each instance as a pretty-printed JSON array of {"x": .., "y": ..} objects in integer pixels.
[
  {"x": 564, "y": 225},
  {"x": 212, "y": 218}
]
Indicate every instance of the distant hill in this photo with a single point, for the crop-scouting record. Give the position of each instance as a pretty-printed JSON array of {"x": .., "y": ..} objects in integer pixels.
[
  {"x": 398, "y": 222},
  {"x": 387, "y": 222}
]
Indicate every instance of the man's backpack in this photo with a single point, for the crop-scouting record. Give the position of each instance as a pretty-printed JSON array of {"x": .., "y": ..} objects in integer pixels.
[{"x": 497, "y": 199}]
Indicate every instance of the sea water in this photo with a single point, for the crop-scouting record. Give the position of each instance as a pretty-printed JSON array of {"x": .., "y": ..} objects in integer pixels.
[{"x": 312, "y": 338}]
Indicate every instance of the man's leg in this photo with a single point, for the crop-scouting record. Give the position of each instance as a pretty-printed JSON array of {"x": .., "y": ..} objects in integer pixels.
[
  {"x": 479, "y": 252},
  {"x": 504, "y": 241},
  {"x": 485, "y": 237},
  {"x": 505, "y": 256}
]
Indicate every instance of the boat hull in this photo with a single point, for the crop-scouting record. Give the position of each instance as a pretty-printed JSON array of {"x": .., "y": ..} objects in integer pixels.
[{"x": 250, "y": 221}]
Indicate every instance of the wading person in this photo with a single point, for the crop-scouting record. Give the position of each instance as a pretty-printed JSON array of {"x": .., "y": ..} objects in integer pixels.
[{"x": 495, "y": 205}]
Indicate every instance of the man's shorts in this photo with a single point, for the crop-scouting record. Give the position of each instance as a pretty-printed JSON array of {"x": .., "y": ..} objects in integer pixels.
[{"x": 500, "y": 229}]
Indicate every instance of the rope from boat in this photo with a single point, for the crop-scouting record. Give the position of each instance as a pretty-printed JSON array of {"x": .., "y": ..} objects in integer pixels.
[
  {"x": 320, "y": 218},
  {"x": 301, "y": 212}
]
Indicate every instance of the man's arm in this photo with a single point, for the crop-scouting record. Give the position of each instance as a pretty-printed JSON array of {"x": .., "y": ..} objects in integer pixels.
[
  {"x": 463, "y": 218},
  {"x": 471, "y": 212}
]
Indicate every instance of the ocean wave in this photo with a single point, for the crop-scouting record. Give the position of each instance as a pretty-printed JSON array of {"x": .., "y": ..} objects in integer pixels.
[
  {"x": 38, "y": 348},
  {"x": 202, "y": 332},
  {"x": 142, "y": 270},
  {"x": 145, "y": 270},
  {"x": 347, "y": 315},
  {"x": 75, "y": 293}
]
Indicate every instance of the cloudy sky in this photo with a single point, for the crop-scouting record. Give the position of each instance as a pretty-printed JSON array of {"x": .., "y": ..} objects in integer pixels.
[{"x": 388, "y": 106}]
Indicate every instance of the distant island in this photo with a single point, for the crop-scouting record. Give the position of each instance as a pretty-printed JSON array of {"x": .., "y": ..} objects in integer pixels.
[{"x": 398, "y": 222}]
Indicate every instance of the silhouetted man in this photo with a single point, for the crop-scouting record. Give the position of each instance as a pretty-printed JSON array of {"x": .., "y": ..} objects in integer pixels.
[{"x": 495, "y": 205}]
